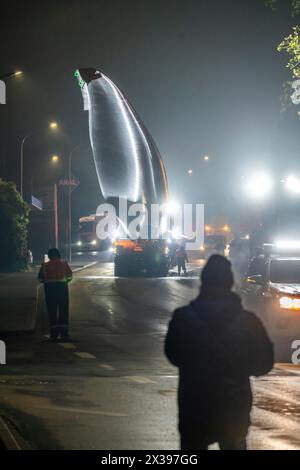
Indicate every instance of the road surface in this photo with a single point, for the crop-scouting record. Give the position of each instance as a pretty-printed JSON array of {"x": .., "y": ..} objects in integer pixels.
[{"x": 112, "y": 388}]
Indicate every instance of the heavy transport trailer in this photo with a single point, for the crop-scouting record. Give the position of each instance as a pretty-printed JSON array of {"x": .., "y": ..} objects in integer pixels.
[
  {"x": 128, "y": 166},
  {"x": 136, "y": 257}
]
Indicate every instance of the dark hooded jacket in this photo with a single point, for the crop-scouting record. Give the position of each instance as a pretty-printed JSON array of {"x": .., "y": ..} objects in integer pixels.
[{"x": 217, "y": 346}]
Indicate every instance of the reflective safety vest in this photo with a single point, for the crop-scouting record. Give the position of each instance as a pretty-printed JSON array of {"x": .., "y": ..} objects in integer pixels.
[{"x": 55, "y": 270}]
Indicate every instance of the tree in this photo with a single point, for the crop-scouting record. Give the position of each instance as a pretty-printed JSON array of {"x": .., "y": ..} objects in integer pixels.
[
  {"x": 295, "y": 5},
  {"x": 13, "y": 228},
  {"x": 291, "y": 45}
]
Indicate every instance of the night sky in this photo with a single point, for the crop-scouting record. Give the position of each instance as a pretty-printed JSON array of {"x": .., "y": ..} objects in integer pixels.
[{"x": 204, "y": 76}]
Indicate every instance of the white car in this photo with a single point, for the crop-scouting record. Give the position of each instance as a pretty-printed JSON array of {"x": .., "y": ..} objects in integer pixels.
[{"x": 272, "y": 290}]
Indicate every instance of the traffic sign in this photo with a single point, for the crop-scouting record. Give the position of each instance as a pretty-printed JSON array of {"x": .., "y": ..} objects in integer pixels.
[{"x": 67, "y": 183}]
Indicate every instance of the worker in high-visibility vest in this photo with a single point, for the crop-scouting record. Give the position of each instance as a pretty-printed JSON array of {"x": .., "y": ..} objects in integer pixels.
[{"x": 55, "y": 275}]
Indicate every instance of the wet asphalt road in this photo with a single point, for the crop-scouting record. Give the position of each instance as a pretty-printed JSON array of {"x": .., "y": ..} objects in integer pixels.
[{"x": 111, "y": 387}]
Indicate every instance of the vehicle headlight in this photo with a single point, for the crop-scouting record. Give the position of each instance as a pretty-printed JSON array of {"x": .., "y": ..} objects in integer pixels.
[
  {"x": 79, "y": 243},
  {"x": 202, "y": 248},
  {"x": 94, "y": 242},
  {"x": 289, "y": 303}
]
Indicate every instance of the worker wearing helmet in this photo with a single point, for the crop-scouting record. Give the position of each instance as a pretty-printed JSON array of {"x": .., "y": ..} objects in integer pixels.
[{"x": 55, "y": 275}]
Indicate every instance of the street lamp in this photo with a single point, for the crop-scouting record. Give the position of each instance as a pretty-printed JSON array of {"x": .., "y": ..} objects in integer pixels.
[
  {"x": 17, "y": 73},
  {"x": 190, "y": 172},
  {"x": 53, "y": 126},
  {"x": 55, "y": 159},
  {"x": 206, "y": 158}
]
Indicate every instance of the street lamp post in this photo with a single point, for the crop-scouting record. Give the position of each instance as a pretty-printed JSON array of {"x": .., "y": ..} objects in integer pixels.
[
  {"x": 52, "y": 126},
  {"x": 70, "y": 201},
  {"x": 22, "y": 163}
]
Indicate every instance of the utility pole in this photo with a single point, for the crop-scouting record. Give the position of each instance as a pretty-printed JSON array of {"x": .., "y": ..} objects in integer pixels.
[
  {"x": 55, "y": 205},
  {"x": 70, "y": 201}
]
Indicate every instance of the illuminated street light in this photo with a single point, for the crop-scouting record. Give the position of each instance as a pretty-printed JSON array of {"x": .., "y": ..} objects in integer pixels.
[
  {"x": 53, "y": 125},
  {"x": 17, "y": 73},
  {"x": 206, "y": 158},
  {"x": 226, "y": 228},
  {"x": 207, "y": 228},
  {"x": 258, "y": 186},
  {"x": 55, "y": 159},
  {"x": 190, "y": 172}
]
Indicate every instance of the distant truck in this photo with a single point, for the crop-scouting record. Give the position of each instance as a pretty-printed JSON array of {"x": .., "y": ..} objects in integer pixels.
[
  {"x": 87, "y": 234},
  {"x": 216, "y": 240},
  {"x": 133, "y": 257}
]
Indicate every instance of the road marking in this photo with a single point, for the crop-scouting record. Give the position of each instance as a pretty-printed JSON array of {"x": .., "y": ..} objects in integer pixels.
[
  {"x": 85, "y": 355},
  {"x": 168, "y": 393},
  {"x": 106, "y": 366},
  {"x": 123, "y": 335},
  {"x": 179, "y": 278},
  {"x": 169, "y": 376},
  {"x": 86, "y": 266},
  {"x": 97, "y": 277},
  {"x": 83, "y": 411},
  {"x": 67, "y": 345},
  {"x": 168, "y": 278},
  {"x": 139, "y": 379},
  {"x": 12, "y": 442}
]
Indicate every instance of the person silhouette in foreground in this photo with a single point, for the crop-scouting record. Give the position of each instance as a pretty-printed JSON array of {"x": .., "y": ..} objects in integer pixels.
[{"x": 217, "y": 346}]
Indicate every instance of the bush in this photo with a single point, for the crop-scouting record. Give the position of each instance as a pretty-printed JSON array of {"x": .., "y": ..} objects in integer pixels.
[{"x": 13, "y": 228}]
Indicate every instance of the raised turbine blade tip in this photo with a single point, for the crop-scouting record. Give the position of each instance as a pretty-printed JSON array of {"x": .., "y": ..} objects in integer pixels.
[
  {"x": 84, "y": 77},
  {"x": 87, "y": 75}
]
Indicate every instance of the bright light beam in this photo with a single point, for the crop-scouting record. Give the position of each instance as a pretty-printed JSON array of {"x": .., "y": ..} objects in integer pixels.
[
  {"x": 293, "y": 184},
  {"x": 258, "y": 186}
]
